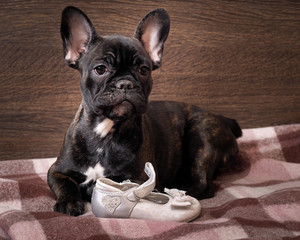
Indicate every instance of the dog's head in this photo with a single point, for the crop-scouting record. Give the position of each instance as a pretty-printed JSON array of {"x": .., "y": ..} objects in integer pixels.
[{"x": 115, "y": 70}]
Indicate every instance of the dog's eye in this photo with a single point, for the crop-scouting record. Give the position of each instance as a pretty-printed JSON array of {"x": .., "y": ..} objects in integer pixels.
[
  {"x": 144, "y": 71},
  {"x": 101, "y": 69}
]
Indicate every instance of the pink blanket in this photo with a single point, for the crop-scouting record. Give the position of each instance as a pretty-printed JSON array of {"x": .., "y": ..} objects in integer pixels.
[{"x": 261, "y": 201}]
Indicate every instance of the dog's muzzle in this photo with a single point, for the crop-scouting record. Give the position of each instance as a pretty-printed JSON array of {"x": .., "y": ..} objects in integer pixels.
[{"x": 121, "y": 100}]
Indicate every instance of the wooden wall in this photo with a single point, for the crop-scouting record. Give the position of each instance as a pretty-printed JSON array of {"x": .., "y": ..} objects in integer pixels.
[{"x": 237, "y": 58}]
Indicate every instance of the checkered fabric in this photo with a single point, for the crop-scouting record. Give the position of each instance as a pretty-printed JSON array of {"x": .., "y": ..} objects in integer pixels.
[{"x": 259, "y": 199}]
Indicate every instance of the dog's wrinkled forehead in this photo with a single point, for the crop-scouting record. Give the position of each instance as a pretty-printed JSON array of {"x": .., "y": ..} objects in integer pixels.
[{"x": 119, "y": 51}]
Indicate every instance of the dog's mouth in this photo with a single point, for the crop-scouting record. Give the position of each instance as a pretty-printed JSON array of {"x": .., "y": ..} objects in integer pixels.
[{"x": 124, "y": 109}]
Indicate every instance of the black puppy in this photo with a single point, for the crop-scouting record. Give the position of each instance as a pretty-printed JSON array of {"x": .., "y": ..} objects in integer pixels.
[{"x": 116, "y": 130}]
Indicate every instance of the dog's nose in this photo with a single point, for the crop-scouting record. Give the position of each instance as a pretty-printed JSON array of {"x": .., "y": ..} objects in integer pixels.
[{"x": 124, "y": 85}]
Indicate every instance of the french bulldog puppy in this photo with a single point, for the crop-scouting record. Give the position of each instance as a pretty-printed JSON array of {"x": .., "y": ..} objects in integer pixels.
[{"x": 117, "y": 130}]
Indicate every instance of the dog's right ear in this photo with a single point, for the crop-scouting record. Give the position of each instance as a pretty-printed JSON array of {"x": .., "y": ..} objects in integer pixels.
[{"x": 77, "y": 33}]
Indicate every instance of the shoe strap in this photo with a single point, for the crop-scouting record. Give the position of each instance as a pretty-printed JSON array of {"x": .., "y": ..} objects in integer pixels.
[{"x": 147, "y": 187}]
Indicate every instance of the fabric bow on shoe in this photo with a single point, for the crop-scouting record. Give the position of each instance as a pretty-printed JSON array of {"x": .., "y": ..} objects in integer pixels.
[{"x": 179, "y": 198}]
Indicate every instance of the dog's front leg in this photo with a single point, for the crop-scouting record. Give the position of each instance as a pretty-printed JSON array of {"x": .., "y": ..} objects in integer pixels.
[{"x": 68, "y": 194}]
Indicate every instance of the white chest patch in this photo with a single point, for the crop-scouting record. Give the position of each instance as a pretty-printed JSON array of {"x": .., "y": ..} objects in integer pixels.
[
  {"x": 93, "y": 173},
  {"x": 104, "y": 127}
]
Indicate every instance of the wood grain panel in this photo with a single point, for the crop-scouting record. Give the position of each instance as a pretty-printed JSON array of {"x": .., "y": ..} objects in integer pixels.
[{"x": 238, "y": 58}]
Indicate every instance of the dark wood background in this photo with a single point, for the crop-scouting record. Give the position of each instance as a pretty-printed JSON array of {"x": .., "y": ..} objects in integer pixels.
[{"x": 237, "y": 58}]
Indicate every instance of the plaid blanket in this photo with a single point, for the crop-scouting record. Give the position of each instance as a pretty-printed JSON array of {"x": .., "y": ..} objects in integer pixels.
[{"x": 260, "y": 201}]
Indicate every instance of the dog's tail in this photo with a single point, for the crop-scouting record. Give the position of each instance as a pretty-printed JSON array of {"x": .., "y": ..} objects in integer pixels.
[{"x": 234, "y": 126}]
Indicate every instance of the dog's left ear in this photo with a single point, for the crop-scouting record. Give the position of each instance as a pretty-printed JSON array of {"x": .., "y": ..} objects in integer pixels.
[{"x": 153, "y": 31}]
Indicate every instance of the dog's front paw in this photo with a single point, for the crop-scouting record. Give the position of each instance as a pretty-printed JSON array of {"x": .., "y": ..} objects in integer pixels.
[{"x": 73, "y": 208}]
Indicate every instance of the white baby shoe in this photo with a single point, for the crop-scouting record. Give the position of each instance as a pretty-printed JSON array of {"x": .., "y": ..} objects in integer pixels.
[{"x": 131, "y": 200}]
